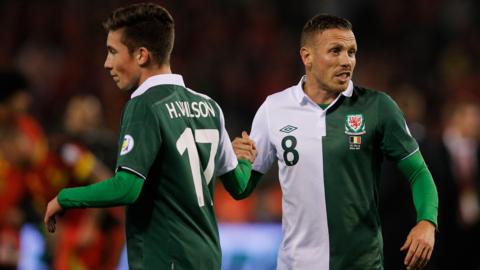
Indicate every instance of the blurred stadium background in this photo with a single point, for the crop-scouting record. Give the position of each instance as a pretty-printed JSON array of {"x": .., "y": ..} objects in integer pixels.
[{"x": 425, "y": 53}]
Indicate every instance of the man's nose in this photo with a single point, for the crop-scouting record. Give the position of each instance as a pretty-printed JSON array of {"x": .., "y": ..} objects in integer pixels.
[
  {"x": 345, "y": 59},
  {"x": 107, "y": 64}
]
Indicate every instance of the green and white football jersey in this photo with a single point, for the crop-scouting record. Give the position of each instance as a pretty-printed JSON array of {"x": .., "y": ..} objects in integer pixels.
[
  {"x": 175, "y": 139},
  {"x": 329, "y": 164}
]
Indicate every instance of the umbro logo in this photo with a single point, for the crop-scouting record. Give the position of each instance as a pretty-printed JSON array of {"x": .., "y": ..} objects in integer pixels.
[{"x": 288, "y": 129}]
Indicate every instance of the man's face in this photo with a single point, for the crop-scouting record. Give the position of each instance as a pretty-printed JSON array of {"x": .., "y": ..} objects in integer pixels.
[
  {"x": 122, "y": 65},
  {"x": 329, "y": 59}
]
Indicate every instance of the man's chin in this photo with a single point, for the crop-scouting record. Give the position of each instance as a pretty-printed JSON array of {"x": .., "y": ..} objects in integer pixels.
[
  {"x": 339, "y": 89},
  {"x": 125, "y": 88},
  {"x": 340, "y": 86}
]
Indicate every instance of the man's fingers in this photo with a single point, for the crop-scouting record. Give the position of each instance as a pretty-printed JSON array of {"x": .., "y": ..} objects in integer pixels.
[
  {"x": 418, "y": 258},
  {"x": 409, "y": 258},
  {"x": 244, "y": 154},
  {"x": 242, "y": 146},
  {"x": 429, "y": 255},
  {"x": 407, "y": 243},
  {"x": 237, "y": 140},
  {"x": 245, "y": 141},
  {"x": 425, "y": 257},
  {"x": 410, "y": 253},
  {"x": 241, "y": 153},
  {"x": 47, "y": 218},
  {"x": 51, "y": 224},
  {"x": 422, "y": 259}
]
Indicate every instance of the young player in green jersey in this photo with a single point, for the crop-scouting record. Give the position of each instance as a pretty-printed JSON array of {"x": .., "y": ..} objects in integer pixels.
[
  {"x": 172, "y": 145},
  {"x": 329, "y": 138}
]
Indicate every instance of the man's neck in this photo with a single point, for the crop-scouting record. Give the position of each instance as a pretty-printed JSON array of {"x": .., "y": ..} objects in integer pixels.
[
  {"x": 317, "y": 94},
  {"x": 149, "y": 72}
]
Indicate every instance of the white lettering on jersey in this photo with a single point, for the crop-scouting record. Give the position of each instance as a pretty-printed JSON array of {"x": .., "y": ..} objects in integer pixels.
[
  {"x": 171, "y": 110},
  {"x": 190, "y": 109},
  {"x": 195, "y": 109}
]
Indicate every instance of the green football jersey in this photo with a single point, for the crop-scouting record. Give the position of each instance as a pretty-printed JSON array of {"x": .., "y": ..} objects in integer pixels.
[
  {"x": 360, "y": 132},
  {"x": 329, "y": 163},
  {"x": 175, "y": 139}
]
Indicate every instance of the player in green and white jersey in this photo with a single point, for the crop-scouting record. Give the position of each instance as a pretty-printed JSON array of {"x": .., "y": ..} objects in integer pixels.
[
  {"x": 329, "y": 138},
  {"x": 172, "y": 146}
]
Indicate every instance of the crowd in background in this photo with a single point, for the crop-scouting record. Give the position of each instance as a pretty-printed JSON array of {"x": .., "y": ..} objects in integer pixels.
[{"x": 60, "y": 117}]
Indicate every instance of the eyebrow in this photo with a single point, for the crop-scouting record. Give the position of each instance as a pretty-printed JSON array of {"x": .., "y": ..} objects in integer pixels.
[
  {"x": 110, "y": 48},
  {"x": 342, "y": 45}
]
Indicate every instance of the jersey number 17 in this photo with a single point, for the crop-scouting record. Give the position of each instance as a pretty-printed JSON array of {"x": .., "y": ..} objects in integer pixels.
[{"x": 186, "y": 142}]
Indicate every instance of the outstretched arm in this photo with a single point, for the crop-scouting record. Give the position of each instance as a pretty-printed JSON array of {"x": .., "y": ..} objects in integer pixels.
[
  {"x": 421, "y": 239},
  {"x": 124, "y": 188},
  {"x": 241, "y": 182}
]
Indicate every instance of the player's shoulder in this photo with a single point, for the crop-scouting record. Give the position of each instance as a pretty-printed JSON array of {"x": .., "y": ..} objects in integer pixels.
[
  {"x": 371, "y": 94},
  {"x": 198, "y": 96},
  {"x": 375, "y": 99},
  {"x": 282, "y": 97},
  {"x": 156, "y": 94},
  {"x": 160, "y": 94},
  {"x": 202, "y": 97},
  {"x": 139, "y": 106}
]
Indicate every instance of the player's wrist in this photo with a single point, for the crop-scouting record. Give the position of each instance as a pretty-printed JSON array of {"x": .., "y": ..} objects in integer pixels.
[
  {"x": 62, "y": 199},
  {"x": 245, "y": 161},
  {"x": 427, "y": 222}
]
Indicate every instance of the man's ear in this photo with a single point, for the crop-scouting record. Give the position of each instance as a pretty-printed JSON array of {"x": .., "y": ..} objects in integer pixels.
[
  {"x": 306, "y": 55},
  {"x": 142, "y": 56}
]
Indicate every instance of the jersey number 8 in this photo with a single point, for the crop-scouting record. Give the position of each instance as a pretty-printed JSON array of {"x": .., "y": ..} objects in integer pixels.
[{"x": 290, "y": 155}]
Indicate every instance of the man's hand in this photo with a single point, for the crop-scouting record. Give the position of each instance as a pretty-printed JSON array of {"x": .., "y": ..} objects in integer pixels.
[
  {"x": 419, "y": 243},
  {"x": 53, "y": 208},
  {"x": 244, "y": 147}
]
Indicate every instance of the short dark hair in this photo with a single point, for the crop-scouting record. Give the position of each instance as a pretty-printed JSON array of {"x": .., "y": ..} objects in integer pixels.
[
  {"x": 320, "y": 23},
  {"x": 145, "y": 25}
]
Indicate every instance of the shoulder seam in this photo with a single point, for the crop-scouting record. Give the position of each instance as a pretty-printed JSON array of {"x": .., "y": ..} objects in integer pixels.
[
  {"x": 198, "y": 94},
  {"x": 166, "y": 97}
]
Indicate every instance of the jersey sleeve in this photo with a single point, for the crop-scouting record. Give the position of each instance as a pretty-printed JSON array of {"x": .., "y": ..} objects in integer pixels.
[
  {"x": 140, "y": 138},
  {"x": 226, "y": 159},
  {"x": 123, "y": 188},
  {"x": 260, "y": 135},
  {"x": 396, "y": 142}
]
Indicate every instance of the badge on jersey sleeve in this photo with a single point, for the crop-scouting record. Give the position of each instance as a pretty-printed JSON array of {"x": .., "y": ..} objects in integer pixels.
[
  {"x": 355, "y": 128},
  {"x": 127, "y": 145}
]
